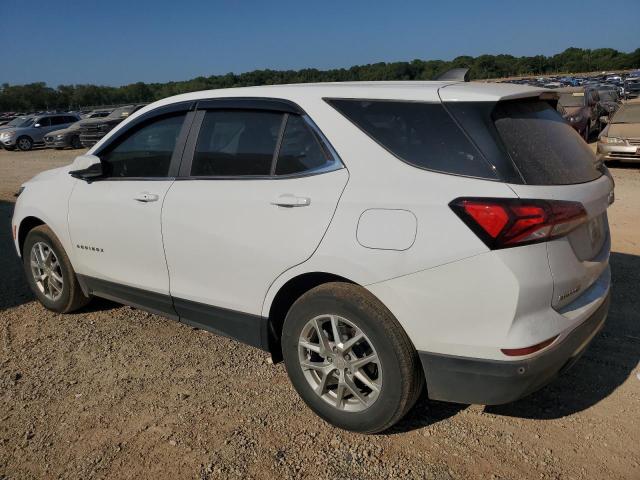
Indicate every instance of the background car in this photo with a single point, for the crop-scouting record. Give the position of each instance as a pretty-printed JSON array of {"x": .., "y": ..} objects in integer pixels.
[
  {"x": 32, "y": 130},
  {"x": 620, "y": 140},
  {"x": 579, "y": 106},
  {"x": 70, "y": 136},
  {"x": 94, "y": 129}
]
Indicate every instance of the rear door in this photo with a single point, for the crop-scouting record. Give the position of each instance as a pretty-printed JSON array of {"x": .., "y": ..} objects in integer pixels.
[{"x": 257, "y": 191}]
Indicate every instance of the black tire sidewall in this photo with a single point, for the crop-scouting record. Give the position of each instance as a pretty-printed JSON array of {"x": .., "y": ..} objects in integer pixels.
[
  {"x": 385, "y": 406},
  {"x": 34, "y": 237}
]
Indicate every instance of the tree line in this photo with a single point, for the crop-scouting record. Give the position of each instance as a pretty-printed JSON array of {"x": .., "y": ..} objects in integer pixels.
[{"x": 39, "y": 96}]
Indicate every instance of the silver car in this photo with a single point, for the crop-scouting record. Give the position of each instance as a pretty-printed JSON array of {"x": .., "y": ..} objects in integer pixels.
[
  {"x": 620, "y": 140},
  {"x": 30, "y": 130}
]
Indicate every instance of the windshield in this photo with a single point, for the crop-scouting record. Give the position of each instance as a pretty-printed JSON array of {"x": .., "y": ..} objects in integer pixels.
[
  {"x": 571, "y": 100},
  {"x": 629, "y": 113},
  {"x": 20, "y": 122}
]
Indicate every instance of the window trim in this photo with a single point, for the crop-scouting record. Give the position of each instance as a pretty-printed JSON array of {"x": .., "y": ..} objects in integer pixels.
[{"x": 248, "y": 103}]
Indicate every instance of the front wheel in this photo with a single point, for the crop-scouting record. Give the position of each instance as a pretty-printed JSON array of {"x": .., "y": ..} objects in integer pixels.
[
  {"x": 49, "y": 272},
  {"x": 75, "y": 142},
  {"x": 24, "y": 143},
  {"x": 349, "y": 359}
]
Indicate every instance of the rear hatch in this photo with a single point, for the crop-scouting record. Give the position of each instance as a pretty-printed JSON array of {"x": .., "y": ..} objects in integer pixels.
[{"x": 550, "y": 162}]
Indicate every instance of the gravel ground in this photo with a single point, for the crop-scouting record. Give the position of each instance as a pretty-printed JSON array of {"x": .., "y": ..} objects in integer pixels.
[{"x": 114, "y": 392}]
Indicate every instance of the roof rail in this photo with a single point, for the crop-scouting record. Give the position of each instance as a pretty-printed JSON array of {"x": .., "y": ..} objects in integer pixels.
[{"x": 455, "y": 74}]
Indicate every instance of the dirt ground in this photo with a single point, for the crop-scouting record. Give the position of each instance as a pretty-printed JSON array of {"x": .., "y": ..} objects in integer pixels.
[{"x": 114, "y": 392}]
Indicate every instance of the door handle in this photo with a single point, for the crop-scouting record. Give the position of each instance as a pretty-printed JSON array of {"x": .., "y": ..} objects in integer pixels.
[
  {"x": 146, "y": 197},
  {"x": 288, "y": 200}
]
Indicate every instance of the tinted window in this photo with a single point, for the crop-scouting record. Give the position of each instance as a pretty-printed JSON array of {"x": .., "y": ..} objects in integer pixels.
[
  {"x": 545, "y": 148},
  {"x": 146, "y": 151},
  {"x": 232, "y": 143},
  {"x": 300, "y": 150},
  {"x": 44, "y": 122},
  {"x": 422, "y": 134},
  {"x": 59, "y": 120}
]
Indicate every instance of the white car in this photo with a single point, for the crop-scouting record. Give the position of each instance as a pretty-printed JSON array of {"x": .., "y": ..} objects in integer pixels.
[{"x": 379, "y": 237}]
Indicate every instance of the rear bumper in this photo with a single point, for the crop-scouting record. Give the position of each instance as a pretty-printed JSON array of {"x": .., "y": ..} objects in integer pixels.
[{"x": 493, "y": 382}]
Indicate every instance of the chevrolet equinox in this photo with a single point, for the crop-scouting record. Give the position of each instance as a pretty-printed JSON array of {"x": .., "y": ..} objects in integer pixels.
[{"x": 380, "y": 238}]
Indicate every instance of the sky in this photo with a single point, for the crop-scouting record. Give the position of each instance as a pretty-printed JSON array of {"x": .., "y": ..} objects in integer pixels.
[{"x": 115, "y": 42}]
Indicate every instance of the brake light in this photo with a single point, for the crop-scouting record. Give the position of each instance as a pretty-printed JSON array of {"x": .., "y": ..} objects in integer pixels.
[{"x": 510, "y": 222}]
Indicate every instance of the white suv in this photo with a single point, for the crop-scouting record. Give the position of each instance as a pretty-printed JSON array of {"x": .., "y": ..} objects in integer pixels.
[{"x": 377, "y": 236}]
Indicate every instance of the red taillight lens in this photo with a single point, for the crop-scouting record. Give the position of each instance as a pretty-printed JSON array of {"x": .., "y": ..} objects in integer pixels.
[
  {"x": 517, "y": 352},
  {"x": 509, "y": 222}
]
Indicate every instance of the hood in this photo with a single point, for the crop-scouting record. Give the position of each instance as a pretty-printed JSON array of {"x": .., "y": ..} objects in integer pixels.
[{"x": 624, "y": 130}]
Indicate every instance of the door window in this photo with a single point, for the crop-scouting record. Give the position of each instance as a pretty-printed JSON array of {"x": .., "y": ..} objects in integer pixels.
[
  {"x": 300, "y": 150},
  {"x": 44, "y": 122},
  {"x": 144, "y": 151},
  {"x": 236, "y": 143}
]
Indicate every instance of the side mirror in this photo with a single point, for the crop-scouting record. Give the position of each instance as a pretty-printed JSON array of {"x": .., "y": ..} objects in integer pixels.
[
  {"x": 87, "y": 168},
  {"x": 37, "y": 125}
]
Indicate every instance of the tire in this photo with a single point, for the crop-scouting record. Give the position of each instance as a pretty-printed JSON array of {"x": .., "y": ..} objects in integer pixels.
[
  {"x": 75, "y": 142},
  {"x": 587, "y": 133},
  {"x": 24, "y": 143},
  {"x": 397, "y": 375},
  {"x": 59, "y": 296}
]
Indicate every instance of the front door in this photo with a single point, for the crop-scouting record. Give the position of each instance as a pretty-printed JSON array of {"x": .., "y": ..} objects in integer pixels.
[
  {"x": 114, "y": 222},
  {"x": 259, "y": 194}
]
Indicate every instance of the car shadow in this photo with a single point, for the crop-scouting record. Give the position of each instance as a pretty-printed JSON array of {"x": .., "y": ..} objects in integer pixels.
[
  {"x": 14, "y": 290},
  {"x": 606, "y": 364}
]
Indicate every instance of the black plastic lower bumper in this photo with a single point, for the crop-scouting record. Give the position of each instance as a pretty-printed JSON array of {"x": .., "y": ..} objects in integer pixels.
[{"x": 493, "y": 382}]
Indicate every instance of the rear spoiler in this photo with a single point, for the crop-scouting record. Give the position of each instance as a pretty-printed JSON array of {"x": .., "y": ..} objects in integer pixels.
[{"x": 455, "y": 74}]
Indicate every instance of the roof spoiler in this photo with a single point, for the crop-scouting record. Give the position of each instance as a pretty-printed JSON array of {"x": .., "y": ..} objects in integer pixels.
[{"x": 455, "y": 74}]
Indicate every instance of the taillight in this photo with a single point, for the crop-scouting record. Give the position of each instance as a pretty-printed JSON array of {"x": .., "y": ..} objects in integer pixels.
[{"x": 510, "y": 222}]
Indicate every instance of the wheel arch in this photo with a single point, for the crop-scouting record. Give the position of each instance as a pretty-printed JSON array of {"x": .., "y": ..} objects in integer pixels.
[
  {"x": 286, "y": 296},
  {"x": 26, "y": 225}
]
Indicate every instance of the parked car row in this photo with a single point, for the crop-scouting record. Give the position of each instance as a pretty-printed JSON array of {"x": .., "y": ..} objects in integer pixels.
[
  {"x": 60, "y": 130},
  {"x": 626, "y": 84}
]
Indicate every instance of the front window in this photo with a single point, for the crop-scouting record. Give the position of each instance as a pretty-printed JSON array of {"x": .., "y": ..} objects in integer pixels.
[{"x": 144, "y": 152}]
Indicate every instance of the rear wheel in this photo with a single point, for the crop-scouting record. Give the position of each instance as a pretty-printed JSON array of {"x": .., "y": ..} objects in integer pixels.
[
  {"x": 349, "y": 359},
  {"x": 49, "y": 272}
]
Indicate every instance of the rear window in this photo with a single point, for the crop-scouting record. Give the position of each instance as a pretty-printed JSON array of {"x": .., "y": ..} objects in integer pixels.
[
  {"x": 545, "y": 148},
  {"x": 421, "y": 134}
]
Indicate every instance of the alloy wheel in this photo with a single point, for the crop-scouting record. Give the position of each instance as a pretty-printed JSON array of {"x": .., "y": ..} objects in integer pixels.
[
  {"x": 46, "y": 271},
  {"x": 340, "y": 363}
]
